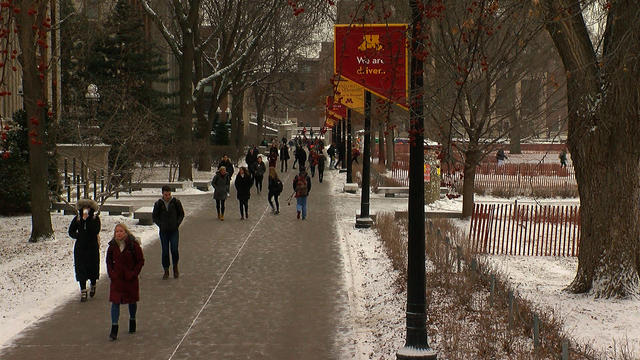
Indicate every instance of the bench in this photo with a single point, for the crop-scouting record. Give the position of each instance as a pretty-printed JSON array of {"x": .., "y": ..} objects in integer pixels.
[
  {"x": 351, "y": 188},
  {"x": 69, "y": 209},
  {"x": 202, "y": 185},
  {"x": 156, "y": 185},
  {"x": 144, "y": 215},
  {"x": 391, "y": 191},
  {"x": 112, "y": 209}
]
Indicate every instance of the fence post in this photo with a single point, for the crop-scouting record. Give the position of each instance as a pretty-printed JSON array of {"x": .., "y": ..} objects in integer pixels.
[
  {"x": 77, "y": 188},
  {"x": 102, "y": 185},
  {"x": 565, "y": 349},
  {"x": 95, "y": 186},
  {"x": 536, "y": 331},
  {"x": 493, "y": 288},
  {"x": 510, "y": 308}
]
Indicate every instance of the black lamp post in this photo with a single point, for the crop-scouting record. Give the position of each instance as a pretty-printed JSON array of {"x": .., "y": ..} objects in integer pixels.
[
  {"x": 343, "y": 144},
  {"x": 348, "y": 153},
  {"x": 364, "y": 220},
  {"x": 93, "y": 96},
  {"x": 416, "y": 345}
]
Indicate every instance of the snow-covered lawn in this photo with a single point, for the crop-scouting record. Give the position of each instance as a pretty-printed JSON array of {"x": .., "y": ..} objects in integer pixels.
[{"x": 38, "y": 277}]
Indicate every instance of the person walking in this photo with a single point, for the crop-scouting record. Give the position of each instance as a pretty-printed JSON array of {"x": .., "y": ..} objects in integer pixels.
[
  {"x": 220, "y": 183},
  {"x": 321, "y": 160},
  {"x": 301, "y": 156},
  {"x": 85, "y": 229},
  {"x": 168, "y": 215},
  {"x": 124, "y": 263},
  {"x": 226, "y": 162},
  {"x": 243, "y": 190},
  {"x": 355, "y": 153},
  {"x": 331, "y": 151},
  {"x": 563, "y": 158},
  {"x": 258, "y": 174},
  {"x": 301, "y": 188},
  {"x": 500, "y": 157},
  {"x": 313, "y": 160},
  {"x": 341, "y": 154},
  {"x": 251, "y": 159},
  {"x": 284, "y": 157},
  {"x": 275, "y": 189},
  {"x": 273, "y": 154}
]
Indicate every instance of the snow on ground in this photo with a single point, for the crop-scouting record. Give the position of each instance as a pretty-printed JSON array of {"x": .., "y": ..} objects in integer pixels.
[
  {"x": 38, "y": 277},
  {"x": 379, "y": 313},
  {"x": 604, "y": 324},
  {"x": 31, "y": 288},
  {"x": 376, "y": 309}
]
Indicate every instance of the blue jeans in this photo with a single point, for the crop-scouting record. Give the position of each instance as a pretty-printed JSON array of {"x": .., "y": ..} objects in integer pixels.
[
  {"x": 115, "y": 312},
  {"x": 302, "y": 205},
  {"x": 169, "y": 239}
]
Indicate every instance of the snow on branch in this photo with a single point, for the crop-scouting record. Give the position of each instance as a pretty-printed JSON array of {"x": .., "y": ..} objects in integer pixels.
[
  {"x": 168, "y": 36},
  {"x": 225, "y": 69}
]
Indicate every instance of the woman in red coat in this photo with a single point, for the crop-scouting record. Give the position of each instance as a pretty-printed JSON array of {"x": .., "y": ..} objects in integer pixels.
[{"x": 124, "y": 262}]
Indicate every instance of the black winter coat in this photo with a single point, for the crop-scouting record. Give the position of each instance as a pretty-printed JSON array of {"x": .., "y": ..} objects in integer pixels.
[
  {"x": 301, "y": 155},
  {"x": 86, "y": 250},
  {"x": 168, "y": 219},
  {"x": 284, "y": 152},
  {"x": 260, "y": 169},
  {"x": 275, "y": 186},
  {"x": 243, "y": 186},
  {"x": 221, "y": 186},
  {"x": 227, "y": 165}
]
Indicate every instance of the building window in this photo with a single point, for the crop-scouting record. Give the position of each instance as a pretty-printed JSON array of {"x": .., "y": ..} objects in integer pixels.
[{"x": 302, "y": 86}]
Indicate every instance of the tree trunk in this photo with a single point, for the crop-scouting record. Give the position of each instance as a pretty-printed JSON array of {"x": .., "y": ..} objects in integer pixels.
[
  {"x": 186, "y": 114},
  {"x": 603, "y": 101},
  {"x": 390, "y": 148},
  {"x": 471, "y": 159},
  {"x": 184, "y": 129},
  {"x": 515, "y": 134},
  {"x": 35, "y": 106},
  {"x": 204, "y": 125},
  {"x": 237, "y": 120}
]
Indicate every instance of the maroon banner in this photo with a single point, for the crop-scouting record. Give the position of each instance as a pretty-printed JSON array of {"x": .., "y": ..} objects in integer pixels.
[
  {"x": 336, "y": 109},
  {"x": 375, "y": 57}
]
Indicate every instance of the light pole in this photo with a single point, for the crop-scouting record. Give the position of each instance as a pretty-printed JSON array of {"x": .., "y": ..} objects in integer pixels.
[
  {"x": 416, "y": 342},
  {"x": 93, "y": 96},
  {"x": 349, "y": 158},
  {"x": 364, "y": 220}
]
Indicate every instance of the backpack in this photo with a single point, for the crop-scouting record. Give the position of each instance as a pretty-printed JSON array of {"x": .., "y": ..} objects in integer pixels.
[{"x": 301, "y": 186}]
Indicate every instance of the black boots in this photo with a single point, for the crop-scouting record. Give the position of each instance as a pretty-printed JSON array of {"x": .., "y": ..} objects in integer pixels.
[
  {"x": 166, "y": 274},
  {"x": 92, "y": 292},
  {"x": 132, "y": 326},
  {"x": 114, "y": 332},
  {"x": 176, "y": 273}
]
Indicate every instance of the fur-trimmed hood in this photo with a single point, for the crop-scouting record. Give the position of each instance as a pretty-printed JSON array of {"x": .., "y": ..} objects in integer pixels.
[{"x": 87, "y": 203}]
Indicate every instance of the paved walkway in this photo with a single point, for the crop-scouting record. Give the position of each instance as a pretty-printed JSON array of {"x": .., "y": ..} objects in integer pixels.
[{"x": 264, "y": 288}]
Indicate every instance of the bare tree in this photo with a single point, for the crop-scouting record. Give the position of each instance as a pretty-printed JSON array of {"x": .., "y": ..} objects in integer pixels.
[
  {"x": 478, "y": 52},
  {"x": 31, "y": 24},
  {"x": 603, "y": 100}
]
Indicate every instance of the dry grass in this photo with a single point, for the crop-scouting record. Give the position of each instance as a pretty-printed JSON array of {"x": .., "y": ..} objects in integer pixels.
[{"x": 466, "y": 319}]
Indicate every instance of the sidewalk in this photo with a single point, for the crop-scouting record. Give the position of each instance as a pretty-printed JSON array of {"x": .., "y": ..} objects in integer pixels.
[{"x": 265, "y": 288}]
